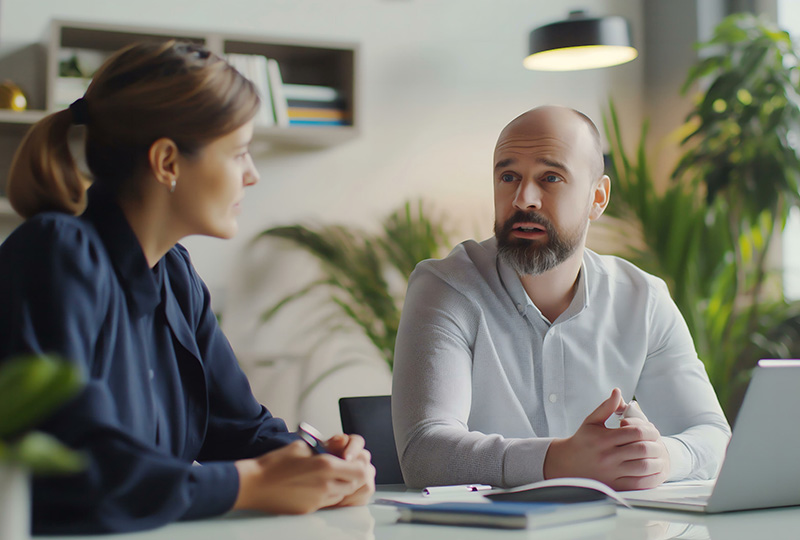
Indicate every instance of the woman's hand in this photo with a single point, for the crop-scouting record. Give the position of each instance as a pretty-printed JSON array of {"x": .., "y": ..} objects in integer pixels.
[
  {"x": 351, "y": 448},
  {"x": 294, "y": 480}
]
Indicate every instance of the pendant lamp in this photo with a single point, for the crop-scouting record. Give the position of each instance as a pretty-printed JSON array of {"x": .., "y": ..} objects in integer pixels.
[{"x": 580, "y": 42}]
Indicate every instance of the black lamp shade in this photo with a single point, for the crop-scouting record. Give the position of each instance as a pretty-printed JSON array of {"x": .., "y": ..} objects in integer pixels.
[{"x": 580, "y": 42}]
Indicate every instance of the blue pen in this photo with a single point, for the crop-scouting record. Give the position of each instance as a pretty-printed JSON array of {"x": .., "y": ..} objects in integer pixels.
[{"x": 312, "y": 437}]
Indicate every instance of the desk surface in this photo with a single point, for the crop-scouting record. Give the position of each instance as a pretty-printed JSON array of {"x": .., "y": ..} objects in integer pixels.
[{"x": 377, "y": 522}]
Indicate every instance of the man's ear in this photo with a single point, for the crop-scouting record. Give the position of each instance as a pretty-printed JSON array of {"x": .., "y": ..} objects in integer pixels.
[
  {"x": 163, "y": 161},
  {"x": 601, "y": 194}
]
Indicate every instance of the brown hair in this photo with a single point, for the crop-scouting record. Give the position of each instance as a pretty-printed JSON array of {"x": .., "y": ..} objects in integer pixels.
[{"x": 142, "y": 93}]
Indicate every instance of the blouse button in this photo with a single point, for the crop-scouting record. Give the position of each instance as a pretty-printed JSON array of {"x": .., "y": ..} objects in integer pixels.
[{"x": 553, "y": 398}]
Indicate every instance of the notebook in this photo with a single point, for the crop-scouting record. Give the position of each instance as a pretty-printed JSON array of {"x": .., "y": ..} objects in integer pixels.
[
  {"x": 505, "y": 515},
  {"x": 762, "y": 463}
]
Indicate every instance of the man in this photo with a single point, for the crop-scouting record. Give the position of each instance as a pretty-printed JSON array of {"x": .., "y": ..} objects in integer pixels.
[{"x": 512, "y": 353}]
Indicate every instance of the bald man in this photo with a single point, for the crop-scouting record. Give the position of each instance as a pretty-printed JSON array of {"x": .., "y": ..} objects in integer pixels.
[{"x": 512, "y": 353}]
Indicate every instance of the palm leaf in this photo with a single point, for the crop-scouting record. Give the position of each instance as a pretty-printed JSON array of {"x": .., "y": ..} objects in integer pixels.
[{"x": 356, "y": 266}]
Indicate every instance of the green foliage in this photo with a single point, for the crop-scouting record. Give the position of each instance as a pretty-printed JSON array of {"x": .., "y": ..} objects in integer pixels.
[
  {"x": 357, "y": 268},
  {"x": 31, "y": 388},
  {"x": 709, "y": 231},
  {"x": 744, "y": 141}
]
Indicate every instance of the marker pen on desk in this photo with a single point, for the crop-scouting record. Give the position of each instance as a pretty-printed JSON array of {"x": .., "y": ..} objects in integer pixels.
[
  {"x": 464, "y": 488},
  {"x": 312, "y": 437}
]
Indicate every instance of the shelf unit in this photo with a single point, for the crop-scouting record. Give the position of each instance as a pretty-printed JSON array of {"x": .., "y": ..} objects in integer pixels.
[{"x": 333, "y": 64}]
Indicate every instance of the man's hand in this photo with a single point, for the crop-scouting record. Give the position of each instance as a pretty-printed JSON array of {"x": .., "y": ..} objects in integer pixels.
[
  {"x": 632, "y": 456},
  {"x": 294, "y": 480}
]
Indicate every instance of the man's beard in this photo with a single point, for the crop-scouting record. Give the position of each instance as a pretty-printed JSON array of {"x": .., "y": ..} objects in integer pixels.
[{"x": 534, "y": 257}]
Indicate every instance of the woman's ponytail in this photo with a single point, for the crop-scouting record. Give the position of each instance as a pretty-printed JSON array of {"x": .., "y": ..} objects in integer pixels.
[{"x": 44, "y": 176}]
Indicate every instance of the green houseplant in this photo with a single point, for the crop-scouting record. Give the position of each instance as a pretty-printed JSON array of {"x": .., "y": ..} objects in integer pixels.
[
  {"x": 364, "y": 273},
  {"x": 710, "y": 231},
  {"x": 31, "y": 388}
]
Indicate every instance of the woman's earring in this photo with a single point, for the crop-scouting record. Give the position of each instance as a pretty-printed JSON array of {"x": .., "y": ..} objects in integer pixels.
[{"x": 172, "y": 186}]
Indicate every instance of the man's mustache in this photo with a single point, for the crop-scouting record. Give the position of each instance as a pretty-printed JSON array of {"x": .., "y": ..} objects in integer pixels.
[{"x": 529, "y": 217}]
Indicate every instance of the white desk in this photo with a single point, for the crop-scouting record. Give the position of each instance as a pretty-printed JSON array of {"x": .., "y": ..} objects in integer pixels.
[{"x": 377, "y": 522}]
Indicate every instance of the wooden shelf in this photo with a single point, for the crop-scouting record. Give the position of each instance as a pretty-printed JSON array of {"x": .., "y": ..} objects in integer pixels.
[
  {"x": 311, "y": 62},
  {"x": 305, "y": 136},
  {"x": 18, "y": 122},
  {"x": 295, "y": 136},
  {"x": 20, "y": 117}
]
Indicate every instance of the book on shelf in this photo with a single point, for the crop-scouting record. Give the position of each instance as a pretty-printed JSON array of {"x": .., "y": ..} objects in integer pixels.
[
  {"x": 320, "y": 113},
  {"x": 506, "y": 515},
  {"x": 254, "y": 67},
  {"x": 311, "y": 92},
  {"x": 289, "y": 104},
  {"x": 278, "y": 95},
  {"x": 316, "y": 113},
  {"x": 338, "y": 104},
  {"x": 316, "y": 122}
]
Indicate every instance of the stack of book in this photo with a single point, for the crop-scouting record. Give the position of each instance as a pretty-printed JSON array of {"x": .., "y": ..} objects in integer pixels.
[
  {"x": 286, "y": 105},
  {"x": 313, "y": 105},
  {"x": 507, "y": 515},
  {"x": 577, "y": 503},
  {"x": 265, "y": 75}
]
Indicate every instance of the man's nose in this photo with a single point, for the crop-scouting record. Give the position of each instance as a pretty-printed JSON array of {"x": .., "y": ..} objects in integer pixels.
[{"x": 529, "y": 195}]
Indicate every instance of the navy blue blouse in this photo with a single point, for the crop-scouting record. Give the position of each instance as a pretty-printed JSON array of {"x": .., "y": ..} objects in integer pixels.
[{"x": 164, "y": 388}]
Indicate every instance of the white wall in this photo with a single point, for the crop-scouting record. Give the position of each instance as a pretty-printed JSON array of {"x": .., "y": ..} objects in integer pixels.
[
  {"x": 439, "y": 80},
  {"x": 789, "y": 19}
]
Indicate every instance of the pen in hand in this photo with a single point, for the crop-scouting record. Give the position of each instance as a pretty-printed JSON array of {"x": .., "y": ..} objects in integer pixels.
[
  {"x": 312, "y": 437},
  {"x": 632, "y": 410}
]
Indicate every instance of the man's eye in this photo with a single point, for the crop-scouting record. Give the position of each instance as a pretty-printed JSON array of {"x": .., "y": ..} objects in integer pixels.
[
  {"x": 552, "y": 178},
  {"x": 507, "y": 178}
]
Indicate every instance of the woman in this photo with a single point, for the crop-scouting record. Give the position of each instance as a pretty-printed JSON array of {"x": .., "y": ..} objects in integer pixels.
[{"x": 167, "y": 133}]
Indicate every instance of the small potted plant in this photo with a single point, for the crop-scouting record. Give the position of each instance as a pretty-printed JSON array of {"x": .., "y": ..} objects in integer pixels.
[{"x": 31, "y": 388}]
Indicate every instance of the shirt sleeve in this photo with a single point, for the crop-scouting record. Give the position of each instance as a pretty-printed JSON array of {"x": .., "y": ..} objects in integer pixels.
[
  {"x": 677, "y": 397},
  {"x": 55, "y": 287},
  {"x": 432, "y": 395},
  {"x": 238, "y": 425}
]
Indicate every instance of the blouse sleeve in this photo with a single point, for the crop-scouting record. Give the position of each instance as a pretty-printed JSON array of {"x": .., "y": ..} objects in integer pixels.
[{"x": 238, "y": 425}]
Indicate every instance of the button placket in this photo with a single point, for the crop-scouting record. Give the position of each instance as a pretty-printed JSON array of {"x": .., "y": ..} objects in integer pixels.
[{"x": 554, "y": 390}]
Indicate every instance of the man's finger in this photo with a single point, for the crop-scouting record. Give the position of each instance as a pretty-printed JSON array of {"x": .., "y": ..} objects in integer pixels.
[{"x": 606, "y": 408}]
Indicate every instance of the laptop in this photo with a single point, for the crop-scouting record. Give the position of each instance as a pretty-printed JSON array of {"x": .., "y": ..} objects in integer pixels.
[{"x": 762, "y": 463}]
